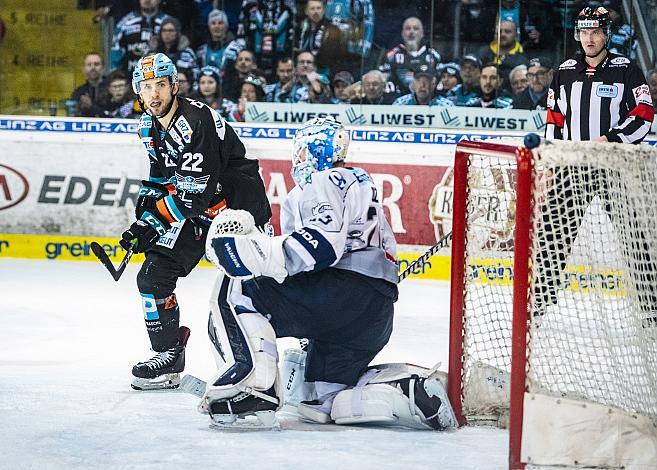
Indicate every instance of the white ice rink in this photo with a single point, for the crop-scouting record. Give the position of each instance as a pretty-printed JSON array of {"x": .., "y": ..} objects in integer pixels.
[{"x": 70, "y": 335}]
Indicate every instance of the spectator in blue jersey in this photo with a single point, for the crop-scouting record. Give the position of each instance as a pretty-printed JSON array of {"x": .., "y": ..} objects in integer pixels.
[
  {"x": 539, "y": 74},
  {"x": 490, "y": 93},
  {"x": 211, "y": 53},
  {"x": 355, "y": 20},
  {"x": 87, "y": 96},
  {"x": 504, "y": 51},
  {"x": 317, "y": 84},
  {"x": 286, "y": 89},
  {"x": 133, "y": 33},
  {"x": 267, "y": 27},
  {"x": 623, "y": 36},
  {"x": 465, "y": 94},
  {"x": 423, "y": 90},
  {"x": 320, "y": 37},
  {"x": 171, "y": 42},
  {"x": 407, "y": 57}
]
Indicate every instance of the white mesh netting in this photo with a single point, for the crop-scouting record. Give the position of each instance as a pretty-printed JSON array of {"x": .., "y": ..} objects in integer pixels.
[{"x": 593, "y": 275}]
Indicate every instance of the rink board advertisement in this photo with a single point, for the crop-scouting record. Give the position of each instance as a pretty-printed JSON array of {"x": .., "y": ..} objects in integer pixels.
[{"x": 65, "y": 182}]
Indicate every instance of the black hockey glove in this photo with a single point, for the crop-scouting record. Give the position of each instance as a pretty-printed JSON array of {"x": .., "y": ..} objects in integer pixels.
[
  {"x": 145, "y": 235},
  {"x": 149, "y": 193}
]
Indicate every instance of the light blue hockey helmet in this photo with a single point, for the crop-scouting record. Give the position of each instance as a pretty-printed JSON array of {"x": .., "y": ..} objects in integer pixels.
[
  {"x": 153, "y": 66},
  {"x": 318, "y": 145}
]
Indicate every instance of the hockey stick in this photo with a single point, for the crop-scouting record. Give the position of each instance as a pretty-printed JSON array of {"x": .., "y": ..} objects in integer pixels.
[
  {"x": 104, "y": 258},
  {"x": 425, "y": 257},
  {"x": 433, "y": 250}
]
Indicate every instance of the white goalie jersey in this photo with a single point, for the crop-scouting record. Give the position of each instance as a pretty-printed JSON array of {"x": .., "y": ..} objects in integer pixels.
[{"x": 337, "y": 220}]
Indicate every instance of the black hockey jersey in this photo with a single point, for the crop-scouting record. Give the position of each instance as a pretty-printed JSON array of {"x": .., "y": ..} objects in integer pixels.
[
  {"x": 203, "y": 157},
  {"x": 612, "y": 99}
]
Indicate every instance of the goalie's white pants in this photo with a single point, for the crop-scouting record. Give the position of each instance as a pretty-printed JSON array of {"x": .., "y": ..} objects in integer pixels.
[{"x": 244, "y": 343}]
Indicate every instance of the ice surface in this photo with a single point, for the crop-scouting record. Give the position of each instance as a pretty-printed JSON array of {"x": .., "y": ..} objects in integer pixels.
[{"x": 70, "y": 335}]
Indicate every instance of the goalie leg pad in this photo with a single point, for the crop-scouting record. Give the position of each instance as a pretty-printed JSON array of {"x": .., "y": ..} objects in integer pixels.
[
  {"x": 245, "y": 348},
  {"x": 394, "y": 394}
]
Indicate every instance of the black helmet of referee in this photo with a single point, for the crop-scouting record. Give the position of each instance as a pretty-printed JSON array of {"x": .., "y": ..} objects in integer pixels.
[{"x": 591, "y": 18}]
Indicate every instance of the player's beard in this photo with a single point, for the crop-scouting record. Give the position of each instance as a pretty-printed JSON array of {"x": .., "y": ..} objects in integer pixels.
[{"x": 167, "y": 108}]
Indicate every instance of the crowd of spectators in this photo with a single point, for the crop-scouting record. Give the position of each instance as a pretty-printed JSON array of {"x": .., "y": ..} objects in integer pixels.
[{"x": 320, "y": 51}]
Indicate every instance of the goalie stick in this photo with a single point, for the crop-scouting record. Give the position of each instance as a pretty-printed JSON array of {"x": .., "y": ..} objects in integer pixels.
[
  {"x": 104, "y": 258},
  {"x": 434, "y": 249}
]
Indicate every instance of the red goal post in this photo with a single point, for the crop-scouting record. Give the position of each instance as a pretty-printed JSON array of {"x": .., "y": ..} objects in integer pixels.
[{"x": 548, "y": 330}]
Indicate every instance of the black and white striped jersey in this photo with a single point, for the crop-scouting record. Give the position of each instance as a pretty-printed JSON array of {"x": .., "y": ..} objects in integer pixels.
[{"x": 612, "y": 99}]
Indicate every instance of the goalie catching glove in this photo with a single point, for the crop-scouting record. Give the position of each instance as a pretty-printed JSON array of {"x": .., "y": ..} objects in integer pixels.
[{"x": 239, "y": 249}]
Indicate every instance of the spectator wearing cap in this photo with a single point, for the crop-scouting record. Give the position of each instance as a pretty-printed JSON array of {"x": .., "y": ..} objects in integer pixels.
[
  {"x": 175, "y": 45},
  {"x": 286, "y": 89},
  {"x": 518, "y": 79},
  {"x": 252, "y": 92},
  {"x": 403, "y": 60},
  {"x": 320, "y": 37},
  {"x": 539, "y": 74},
  {"x": 423, "y": 89},
  {"x": 490, "y": 93},
  {"x": 449, "y": 78},
  {"x": 505, "y": 53},
  {"x": 372, "y": 90},
  {"x": 340, "y": 83},
  {"x": 467, "y": 92},
  {"x": 209, "y": 89},
  {"x": 212, "y": 52}
]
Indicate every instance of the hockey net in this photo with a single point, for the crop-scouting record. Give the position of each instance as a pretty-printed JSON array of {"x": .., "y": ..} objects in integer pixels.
[{"x": 554, "y": 300}]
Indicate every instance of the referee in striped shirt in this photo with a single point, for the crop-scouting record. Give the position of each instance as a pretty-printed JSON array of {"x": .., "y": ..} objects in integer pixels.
[{"x": 596, "y": 96}]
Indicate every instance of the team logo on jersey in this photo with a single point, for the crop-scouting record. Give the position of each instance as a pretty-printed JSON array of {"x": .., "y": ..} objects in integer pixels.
[
  {"x": 619, "y": 61},
  {"x": 642, "y": 94},
  {"x": 569, "y": 64},
  {"x": 185, "y": 129},
  {"x": 607, "y": 91},
  {"x": 190, "y": 184}
]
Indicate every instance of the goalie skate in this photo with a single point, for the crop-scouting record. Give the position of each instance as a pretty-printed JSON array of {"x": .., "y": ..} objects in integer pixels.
[{"x": 247, "y": 411}]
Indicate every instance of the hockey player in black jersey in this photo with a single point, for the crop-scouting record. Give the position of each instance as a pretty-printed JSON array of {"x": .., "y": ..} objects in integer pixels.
[
  {"x": 595, "y": 96},
  {"x": 197, "y": 168}
]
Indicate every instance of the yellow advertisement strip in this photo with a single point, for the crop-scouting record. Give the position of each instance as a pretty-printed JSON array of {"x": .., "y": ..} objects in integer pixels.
[
  {"x": 60, "y": 247},
  {"x": 482, "y": 271}
]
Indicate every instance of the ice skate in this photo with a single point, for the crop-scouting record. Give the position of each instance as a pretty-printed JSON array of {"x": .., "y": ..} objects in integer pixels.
[
  {"x": 247, "y": 411},
  {"x": 162, "y": 371}
]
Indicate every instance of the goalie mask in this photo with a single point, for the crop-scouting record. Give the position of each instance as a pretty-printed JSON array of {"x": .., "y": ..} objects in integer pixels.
[
  {"x": 592, "y": 18},
  {"x": 318, "y": 145}
]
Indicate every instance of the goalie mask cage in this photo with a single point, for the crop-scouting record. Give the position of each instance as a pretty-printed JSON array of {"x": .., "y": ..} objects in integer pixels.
[{"x": 553, "y": 328}]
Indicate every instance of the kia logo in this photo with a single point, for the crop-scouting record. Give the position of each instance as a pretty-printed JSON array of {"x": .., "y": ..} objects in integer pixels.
[{"x": 13, "y": 187}]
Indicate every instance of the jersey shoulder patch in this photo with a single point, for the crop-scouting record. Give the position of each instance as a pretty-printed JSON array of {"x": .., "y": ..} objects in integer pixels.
[
  {"x": 569, "y": 64},
  {"x": 620, "y": 61}
]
